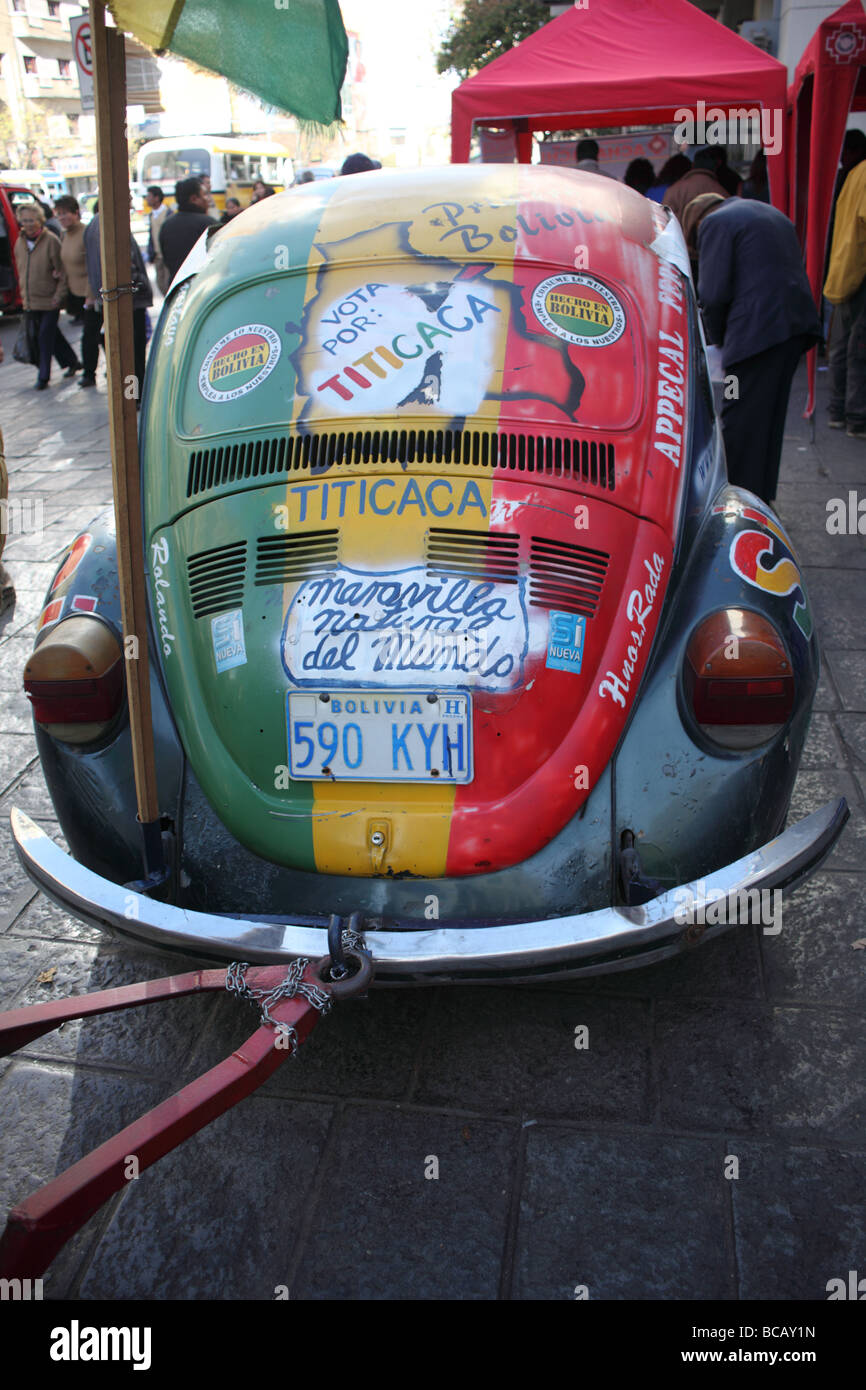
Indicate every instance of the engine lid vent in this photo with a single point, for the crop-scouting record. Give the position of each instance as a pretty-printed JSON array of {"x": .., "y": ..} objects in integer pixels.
[
  {"x": 289, "y": 559},
  {"x": 590, "y": 462},
  {"x": 566, "y": 577},
  {"x": 216, "y": 578},
  {"x": 476, "y": 554}
]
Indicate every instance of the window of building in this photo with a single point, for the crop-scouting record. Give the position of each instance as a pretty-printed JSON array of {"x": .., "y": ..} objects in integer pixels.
[
  {"x": 19, "y": 6},
  {"x": 29, "y": 64},
  {"x": 64, "y": 66},
  {"x": 53, "y": 9}
]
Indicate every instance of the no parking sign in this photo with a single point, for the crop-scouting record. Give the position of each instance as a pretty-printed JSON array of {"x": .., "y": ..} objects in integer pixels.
[{"x": 83, "y": 50}]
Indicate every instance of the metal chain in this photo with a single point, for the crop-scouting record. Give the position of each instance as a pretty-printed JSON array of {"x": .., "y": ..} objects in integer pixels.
[
  {"x": 292, "y": 985},
  {"x": 349, "y": 940}
]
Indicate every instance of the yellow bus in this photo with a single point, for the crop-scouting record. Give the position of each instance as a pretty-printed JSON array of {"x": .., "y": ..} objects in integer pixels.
[{"x": 233, "y": 165}]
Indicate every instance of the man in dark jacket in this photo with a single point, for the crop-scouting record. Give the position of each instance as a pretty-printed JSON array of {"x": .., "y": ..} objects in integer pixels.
[
  {"x": 759, "y": 309},
  {"x": 142, "y": 298},
  {"x": 180, "y": 232}
]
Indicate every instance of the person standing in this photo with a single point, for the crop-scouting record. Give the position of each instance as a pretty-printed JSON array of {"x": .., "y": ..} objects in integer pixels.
[
  {"x": 43, "y": 290},
  {"x": 211, "y": 209},
  {"x": 142, "y": 296},
  {"x": 845, "y": 287},
  {"x": 182, "y": 229},
  {"x": 233, "y": 207},
  {"x": 758, "y": 308},
  {"x": 73, "y": 256},
  {"x": 586, "y": 157},
  {"x": 158, "y": 214},
  {"x": 701, "y": 178}
]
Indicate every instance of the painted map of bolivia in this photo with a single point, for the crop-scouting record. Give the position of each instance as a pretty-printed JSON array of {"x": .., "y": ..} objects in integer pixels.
[{"x": 448, "y": 340}]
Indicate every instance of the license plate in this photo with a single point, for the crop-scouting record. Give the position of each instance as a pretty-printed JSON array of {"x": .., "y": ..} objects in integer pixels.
[{"x": 380, "y": 736}]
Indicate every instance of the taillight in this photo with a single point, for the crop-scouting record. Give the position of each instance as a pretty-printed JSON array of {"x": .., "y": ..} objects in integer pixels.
[
  {"x": 74, "y": 680},
  {"x": 738, "y": 678}
]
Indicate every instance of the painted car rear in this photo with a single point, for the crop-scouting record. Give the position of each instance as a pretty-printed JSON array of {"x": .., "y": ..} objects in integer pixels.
[
  {"x": 433, "y": 484},
  {"x": 412, "y": 448}
]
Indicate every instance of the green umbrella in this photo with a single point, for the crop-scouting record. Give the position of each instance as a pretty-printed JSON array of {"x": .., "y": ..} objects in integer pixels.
[{"x": 290, "y": 53}]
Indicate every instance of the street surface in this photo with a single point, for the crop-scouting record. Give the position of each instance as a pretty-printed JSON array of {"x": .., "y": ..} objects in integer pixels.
[{"x": 558, "y": 1167}]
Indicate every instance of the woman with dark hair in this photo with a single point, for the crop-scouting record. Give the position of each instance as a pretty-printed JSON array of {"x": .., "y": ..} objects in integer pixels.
[
  {"x": 640, "y": 175},
  {"x": 673, "y": 169}
]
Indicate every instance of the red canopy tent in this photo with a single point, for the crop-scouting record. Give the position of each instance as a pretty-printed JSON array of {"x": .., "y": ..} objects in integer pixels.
[
  {"x": 620, "y": 62},
  {"x": 830, "y": 82}
]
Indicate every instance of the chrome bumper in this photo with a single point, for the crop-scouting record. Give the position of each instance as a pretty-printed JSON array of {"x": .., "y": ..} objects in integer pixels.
[{"x": 612, "y": 938}]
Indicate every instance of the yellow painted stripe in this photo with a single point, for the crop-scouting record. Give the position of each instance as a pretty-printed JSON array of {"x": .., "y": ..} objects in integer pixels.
[{"x": 416, "y": 819}]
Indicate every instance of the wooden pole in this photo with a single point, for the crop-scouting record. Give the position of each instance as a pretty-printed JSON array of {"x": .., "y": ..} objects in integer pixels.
[{"x": 109, "y": 77}]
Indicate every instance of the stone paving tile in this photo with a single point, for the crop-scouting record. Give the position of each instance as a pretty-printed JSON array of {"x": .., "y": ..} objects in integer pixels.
[
  {"x": 43, "y": 920},
  {"x": 30, "y": 794},
  {"x": 813, "y": 790},
  {"x": 14, "y": 883},
  {"x": 852, "y": 727},
  {"x": 220, "y": 1217},
  {"x": 626, "y": 1216},
  {"x": 17, "y": 751},
  {"x": 363, "y": 1048},
  {"x": 805, "y": 516},
  {"x": 813, "y": 957},
  {"x": 849, "y": 675},
  {"x": 838, "y": 607},
  {"x": 508, "y": 1052},
  {"x": 52, "y": 1117},
  {"x": 14, "y": 655},
  {"x": 826, "y": 697},
  {"x": 157, "y": 1038},
  {"x": 822, "y": 747},
  {"x": 382, "y": 1230},
  {"x": 799, "y": 1219},
  {"x": 800, "y": 1071},
  {"x": 20, "y": 962}
]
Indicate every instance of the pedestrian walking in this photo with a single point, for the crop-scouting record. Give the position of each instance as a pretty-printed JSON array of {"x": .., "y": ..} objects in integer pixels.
[
  {"x": 182, "y": 229},
  {"x": 758, "y": 308},
  {"x": 158, "y": 213},
  {"x": 73, "y": 255},
  {"x": 142, "y": 296},
  {"x": 43, "y": 290},
  {"x": 845, "y": 287}
]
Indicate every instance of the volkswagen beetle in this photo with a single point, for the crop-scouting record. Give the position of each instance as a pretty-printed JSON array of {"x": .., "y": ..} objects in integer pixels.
[{"x": 459, "y": 633}]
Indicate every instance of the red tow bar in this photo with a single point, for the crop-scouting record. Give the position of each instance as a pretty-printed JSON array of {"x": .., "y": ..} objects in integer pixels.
[{"x": 40, "y": 1226}]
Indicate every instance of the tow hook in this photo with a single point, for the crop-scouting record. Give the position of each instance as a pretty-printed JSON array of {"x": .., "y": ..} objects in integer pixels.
[{"x": 636, "y": 887}]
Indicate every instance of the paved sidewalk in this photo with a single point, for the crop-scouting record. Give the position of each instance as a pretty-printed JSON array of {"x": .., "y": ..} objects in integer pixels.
[{"x": 557, "y": 1167}]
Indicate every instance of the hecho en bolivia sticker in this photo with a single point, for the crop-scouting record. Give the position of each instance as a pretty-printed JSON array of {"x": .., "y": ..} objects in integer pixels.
[
  {"x": 239, "y": 362},
  {"x": 227, "y": 634},
  {"x": 579, "y": 309}
]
